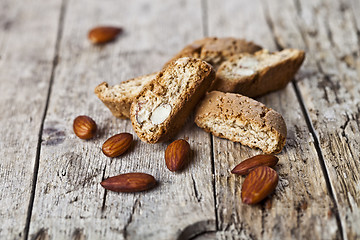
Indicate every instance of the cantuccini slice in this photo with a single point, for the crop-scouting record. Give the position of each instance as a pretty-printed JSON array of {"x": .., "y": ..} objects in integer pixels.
[
  {"x": 242, "y": 119},
  {"x": 118, "y": 98},
  {"x": 163, "y": 105},
  {"x": 216, "y": 50},
  {"x": 256, "y": 74}
]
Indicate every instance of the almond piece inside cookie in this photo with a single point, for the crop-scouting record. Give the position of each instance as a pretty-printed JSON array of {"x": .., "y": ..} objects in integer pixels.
[
  {"x": 256, "y": 74},
  {"x": 163, "y": 106}
]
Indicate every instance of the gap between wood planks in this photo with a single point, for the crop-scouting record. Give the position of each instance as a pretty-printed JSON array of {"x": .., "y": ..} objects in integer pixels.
[
  {"x": 38, "y": 149},
  {"x": 205, "y": 24},
  {"x": 307, "y": 117}
]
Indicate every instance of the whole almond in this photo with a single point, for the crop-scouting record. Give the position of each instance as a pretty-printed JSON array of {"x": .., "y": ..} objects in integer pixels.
[
  {"x": 117, "y": 144},
  {"x": 103, "y": 34},
  {"x": 129, "y": 182},
  {"x": 259, "y": 184},
  {"x": 177, "y": 155},
  {"x": 249, "y": 164},
  {"x": 84, "y": 127}
]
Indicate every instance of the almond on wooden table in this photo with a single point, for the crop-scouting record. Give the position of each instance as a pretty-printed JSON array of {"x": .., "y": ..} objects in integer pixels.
[
  {"x": 117, "y": 144},
  {"x": 84, "y": 127},
  {"x": 103, "y": 34},
  {"x": 249, "y": 164},
  {"x": 259, "y": 184},
  {"x": 177, "y": 155},
  {"x": 129, "y": 182}
]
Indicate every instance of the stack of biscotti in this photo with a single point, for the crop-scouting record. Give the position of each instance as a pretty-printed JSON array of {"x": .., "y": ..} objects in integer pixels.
[
  {"x": 240, "y": 70},
  {"x": 213, "y": 50},
  {"x": 242, "y": 67}
]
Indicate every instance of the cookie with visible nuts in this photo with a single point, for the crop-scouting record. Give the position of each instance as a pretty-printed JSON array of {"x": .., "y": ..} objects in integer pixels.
[
  {"x": 163, "y": 105},
  {"x": 242, "y": 119},
  {"x": 118, "y": 98},
  {"x": 216, "y": 50},
  {"x": 257, "y": 74}
]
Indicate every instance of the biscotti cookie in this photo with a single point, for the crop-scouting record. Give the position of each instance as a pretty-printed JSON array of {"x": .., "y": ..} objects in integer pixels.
[
  {"x": 242, "y": 119},
  {"x": 256, "y": 74},
  {"x": 163, "y": 105},
  {"x": 118, "y": 98},
  {"x": 216, "y": 50}
]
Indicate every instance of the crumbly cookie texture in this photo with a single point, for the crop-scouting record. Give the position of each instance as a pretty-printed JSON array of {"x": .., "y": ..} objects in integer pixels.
[
  {"x": 242, "y": 119},
  {"x": 118, "y": 98},
  {"x": 216, "y": 50},
  {"x": 257, "y": 74},
  {"x": 162, "y": 107}
]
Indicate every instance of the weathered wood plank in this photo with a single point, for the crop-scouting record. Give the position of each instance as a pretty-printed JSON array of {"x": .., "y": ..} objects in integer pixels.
[
  {"x": 330, "y": 89},
  {"x": 301, "y": 203},
  {"x": 69, "y": 200},
  {"x": 24, "y": 81}
]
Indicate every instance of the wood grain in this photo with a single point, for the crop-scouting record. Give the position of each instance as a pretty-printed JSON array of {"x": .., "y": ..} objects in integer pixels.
[
  {"x": 49, "y": 178},
  {"x": 299, "y": 202},
  {"x": 24, "y": 81},
  {"x": 330, "y": 91},
  {"x": 69, "y": 200}
]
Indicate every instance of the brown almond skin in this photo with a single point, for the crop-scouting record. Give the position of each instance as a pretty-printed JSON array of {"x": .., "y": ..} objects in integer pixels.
[
  {"x": 103, "y": 34},
  {"x": 177, "y": 155},
  {"x": 129, "y": 182},
  {"x": 117, "y": 144},
  {"x": 259, "y": 184},
  {"x": 84, "y": 127},
  {"x": 249, "y": 164}
]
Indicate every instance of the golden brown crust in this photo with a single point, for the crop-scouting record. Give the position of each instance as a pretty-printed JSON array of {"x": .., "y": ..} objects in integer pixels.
[
  {"x": 242, "y": 119},
  {"x": 216, "y": 50},
  {"x": 178, "y": 87},
  {"x": 273, "y": 72},
  {"x": 119, "y": 108}
]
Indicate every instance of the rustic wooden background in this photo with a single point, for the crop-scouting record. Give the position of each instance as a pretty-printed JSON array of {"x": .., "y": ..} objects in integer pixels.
[{"x": 50, "y": 179}]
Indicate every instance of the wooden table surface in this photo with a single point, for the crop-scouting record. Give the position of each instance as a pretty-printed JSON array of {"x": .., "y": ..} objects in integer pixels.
[{"x": 50, "y": 179}]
